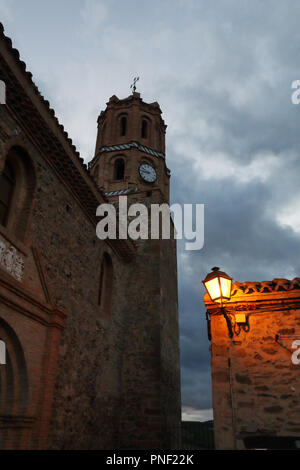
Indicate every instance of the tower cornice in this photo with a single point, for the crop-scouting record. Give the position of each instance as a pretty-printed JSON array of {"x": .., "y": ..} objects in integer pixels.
[{"x": 134, "y": 99}]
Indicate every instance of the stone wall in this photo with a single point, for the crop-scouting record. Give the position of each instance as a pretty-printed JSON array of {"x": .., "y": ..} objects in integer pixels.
[
  {"x": 255, "y": 383},
  {"x": 88, "y": 382}
]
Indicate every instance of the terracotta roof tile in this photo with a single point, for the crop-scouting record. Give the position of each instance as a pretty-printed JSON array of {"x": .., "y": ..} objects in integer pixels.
[{"x": 276, "y": 285}]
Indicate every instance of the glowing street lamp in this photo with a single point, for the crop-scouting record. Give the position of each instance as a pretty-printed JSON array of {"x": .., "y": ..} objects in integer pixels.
[{"x": 218, "y": 286}]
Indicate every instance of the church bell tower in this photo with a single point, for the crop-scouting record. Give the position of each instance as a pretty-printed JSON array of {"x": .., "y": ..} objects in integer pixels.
[
  {"x": 130, "y": 149},
  {"x": 130, "y": 161}
]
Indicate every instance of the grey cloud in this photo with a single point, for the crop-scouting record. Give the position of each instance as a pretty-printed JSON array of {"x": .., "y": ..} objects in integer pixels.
[{"x": 242, "y": 234}]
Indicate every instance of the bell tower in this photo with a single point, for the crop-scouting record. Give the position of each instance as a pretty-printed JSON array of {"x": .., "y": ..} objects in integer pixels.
[
  {"x": 130, "y": 161},
  {"x": 130, "y": 149}
]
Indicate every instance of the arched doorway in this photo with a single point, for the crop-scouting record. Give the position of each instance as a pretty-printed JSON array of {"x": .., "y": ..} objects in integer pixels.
[{"x": 13, "y": 389}]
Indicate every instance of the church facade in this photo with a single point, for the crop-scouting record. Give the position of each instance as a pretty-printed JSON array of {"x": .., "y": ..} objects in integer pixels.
[{"x": 90, "y": 326}]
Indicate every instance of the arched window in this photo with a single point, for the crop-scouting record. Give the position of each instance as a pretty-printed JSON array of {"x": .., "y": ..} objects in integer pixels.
[
  {"x": 17, "y": 191},
  {"x": 144, "y": 132},
  {"x": 106, "y": 284},
  {"x": 123, "y": 126},
  {"x": 13, "y": 377},
  {"x": 7, "y": 186},
  {"x": 119, "y": 169}
]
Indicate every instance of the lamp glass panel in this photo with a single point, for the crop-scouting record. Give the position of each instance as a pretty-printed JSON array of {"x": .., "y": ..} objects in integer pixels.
[
  {"x": 225, "y": 287},
  {"x": 213, "y": 288}
]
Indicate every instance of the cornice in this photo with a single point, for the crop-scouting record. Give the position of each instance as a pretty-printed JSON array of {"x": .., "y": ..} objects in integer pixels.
[{"x": 135, "y": 97}]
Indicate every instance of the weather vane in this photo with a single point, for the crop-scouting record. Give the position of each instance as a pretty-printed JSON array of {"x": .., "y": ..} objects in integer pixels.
[{"x": 133, "y": 86}]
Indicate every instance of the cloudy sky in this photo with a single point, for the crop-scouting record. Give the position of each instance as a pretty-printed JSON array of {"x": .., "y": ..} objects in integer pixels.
[{"x": 222, "y": 72}]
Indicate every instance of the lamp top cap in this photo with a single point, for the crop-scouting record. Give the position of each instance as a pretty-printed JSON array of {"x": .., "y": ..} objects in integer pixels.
[{"x": 216, "y": 273}]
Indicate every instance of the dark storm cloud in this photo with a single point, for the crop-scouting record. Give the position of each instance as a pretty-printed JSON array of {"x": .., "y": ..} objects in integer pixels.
[
  {"x": 246, "y": 243},
  {"x": 250, "y": 120}
]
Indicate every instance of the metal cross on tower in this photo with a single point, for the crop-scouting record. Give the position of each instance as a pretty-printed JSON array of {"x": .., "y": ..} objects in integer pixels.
[{"x": 133, "y": 86}]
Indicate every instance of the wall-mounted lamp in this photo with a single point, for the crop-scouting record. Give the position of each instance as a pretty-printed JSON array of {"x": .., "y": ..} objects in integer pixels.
[{"x": 218, "y": 286}]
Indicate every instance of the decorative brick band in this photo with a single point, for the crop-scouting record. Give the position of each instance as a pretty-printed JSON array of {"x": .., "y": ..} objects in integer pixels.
[
  {"x": 121, "y": 192},
  {"x": 130, "y": 145}
]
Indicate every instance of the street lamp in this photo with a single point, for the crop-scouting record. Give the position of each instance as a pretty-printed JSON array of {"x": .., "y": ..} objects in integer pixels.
[{"x": 218, "y": 286}]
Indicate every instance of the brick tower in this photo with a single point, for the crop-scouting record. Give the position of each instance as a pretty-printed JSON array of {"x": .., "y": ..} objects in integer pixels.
[
  {"x": 130, "y": 161},
  {"x": 131, "y": 133}
]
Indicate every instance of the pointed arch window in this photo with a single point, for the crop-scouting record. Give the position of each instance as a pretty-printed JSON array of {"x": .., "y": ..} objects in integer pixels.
[
  {"x": 17, "y": 191},
  {"x": 7, "y": 187},
  {"x": 106, "y": 284},
  {"x": 119, "y": 169},
  {"x": 123, "y": 126},
  {"x": 144, "y": 132}
]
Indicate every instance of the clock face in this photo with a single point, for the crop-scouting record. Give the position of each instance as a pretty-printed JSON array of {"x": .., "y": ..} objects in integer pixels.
[{"x": 147, "y": 172}]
